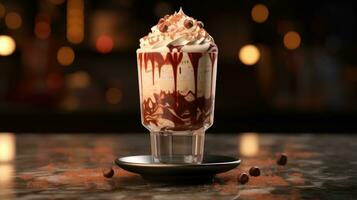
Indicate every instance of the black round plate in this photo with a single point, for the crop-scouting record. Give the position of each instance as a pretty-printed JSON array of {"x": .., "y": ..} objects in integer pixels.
[{"x": 211, "y": 165}]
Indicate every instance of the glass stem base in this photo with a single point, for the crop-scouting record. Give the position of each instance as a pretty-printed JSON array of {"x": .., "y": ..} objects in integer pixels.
[{"x": 177, "y": 146}]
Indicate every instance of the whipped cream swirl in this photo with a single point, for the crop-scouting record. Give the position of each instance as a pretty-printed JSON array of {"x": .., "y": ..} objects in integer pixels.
[{"x": 177, "y": 30}]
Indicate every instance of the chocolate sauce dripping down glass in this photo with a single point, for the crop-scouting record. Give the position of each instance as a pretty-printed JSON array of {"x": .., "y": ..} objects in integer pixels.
[
  {"x": 175, "y": 107},
  {"x": 195, "y": 58}
]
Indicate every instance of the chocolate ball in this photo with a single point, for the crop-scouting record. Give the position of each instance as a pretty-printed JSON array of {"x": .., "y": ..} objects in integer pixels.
[
  {"x": 282, "y": 160},
  {"x": 254, "y": 171},
  {"x": 108, "y": 172},
  {"x": 200, "y": 24},
  {"x": 188, "y": 23},
  {"x": 243, "y": 178},
  {"x": 163, "y": 28}
]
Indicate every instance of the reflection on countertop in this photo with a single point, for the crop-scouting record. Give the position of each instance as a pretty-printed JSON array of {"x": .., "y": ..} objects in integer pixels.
[{"x": 69, "y": 166}]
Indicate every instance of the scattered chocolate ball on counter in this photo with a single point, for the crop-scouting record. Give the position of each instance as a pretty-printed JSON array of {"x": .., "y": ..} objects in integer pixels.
[
  {"x": 243, "y": 178},
  {"x": 200, "y": 24},
  {"x": 282, "y": 160},
  {"x": 108, "y": 172},
  {"x": 254, "y": 171},
  {"x": 188, "y": 23},
  {"x": 163, "y": 28}
]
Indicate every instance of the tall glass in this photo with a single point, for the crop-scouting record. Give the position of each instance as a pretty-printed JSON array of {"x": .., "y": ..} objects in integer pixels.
[{"x": 177, "y": 94}]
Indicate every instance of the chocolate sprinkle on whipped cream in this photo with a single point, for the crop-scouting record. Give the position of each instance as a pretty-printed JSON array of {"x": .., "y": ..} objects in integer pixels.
[{"x": 177, "y": 30}]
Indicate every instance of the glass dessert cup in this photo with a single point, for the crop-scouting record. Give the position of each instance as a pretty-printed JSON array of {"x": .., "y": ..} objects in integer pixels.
[{"x": 177, "y": 94}]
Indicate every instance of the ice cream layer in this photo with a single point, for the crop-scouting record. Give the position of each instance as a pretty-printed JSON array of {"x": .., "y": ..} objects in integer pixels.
[
  {"x": 177, "y": 30},
  {"x": 156, "y": 79}
]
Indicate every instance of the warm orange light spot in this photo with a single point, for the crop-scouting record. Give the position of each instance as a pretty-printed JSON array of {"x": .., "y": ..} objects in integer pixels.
[
  {"x": 42, "y": 30},
  {"x": 75, "y": 21},
  {"x": 65, "y": 56},
  {"x": 78, "y": 80},
  {"x": 249, "y": 54},
  {"x": 7, "y": 166},
  {"x": 113, "y": 95},
  {"x": 7, "y": 45},
  {"x": 292, "y": 40},
  {"x": 260, "y": 13},
  {"x": 249, "y": 144},
  {"x": 7, "y": 147},
  {"x": 13, "y": 20},
  {"x": 104, "y": 44},
  {"x": 75, "y": 35}
]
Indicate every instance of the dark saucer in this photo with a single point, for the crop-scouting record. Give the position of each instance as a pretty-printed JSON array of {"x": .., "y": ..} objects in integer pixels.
[{"x": 211, "y": 165}]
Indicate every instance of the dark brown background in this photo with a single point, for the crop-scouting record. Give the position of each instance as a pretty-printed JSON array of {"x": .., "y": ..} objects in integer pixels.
[{"x": 312, "y": 88}]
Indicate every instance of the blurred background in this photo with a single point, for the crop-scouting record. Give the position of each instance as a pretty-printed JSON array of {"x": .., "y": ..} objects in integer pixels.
[{"x": 284, "y": 66}]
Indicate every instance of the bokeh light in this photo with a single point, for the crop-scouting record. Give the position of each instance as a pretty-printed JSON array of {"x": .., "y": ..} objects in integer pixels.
[
  {"x": 113, "y": 95},
  {"x": 104, "y": 44},
  {"x": 249, "y": 144},
  {"x": 292, "y": 40},
  {"x": 78, "y": 80},
  {"x": 7, "y": 168},
  {"x": 7, "y": 45},
  {"x": 42, "y": 29},
  {"x": 75, "y": 21},
  {"x": 7, "y": 147},
  {"x": 2, "y": 10},
  {"x": 249, "y": 54},
  {"x": 13, "y": 20},
  {"x": 260, "y": 13},
  {"x": 65, "y": 56}
]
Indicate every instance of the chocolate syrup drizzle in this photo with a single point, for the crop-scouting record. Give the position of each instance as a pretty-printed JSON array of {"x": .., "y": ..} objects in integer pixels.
[{"x": 174, "y": 106}]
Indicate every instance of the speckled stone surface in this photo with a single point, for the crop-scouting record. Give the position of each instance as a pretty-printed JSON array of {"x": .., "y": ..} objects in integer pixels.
[{"x": 69, "y": 166}]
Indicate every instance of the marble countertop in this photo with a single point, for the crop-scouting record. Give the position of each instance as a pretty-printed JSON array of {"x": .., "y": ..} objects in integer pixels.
[{"x": 69, "y": 166}]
